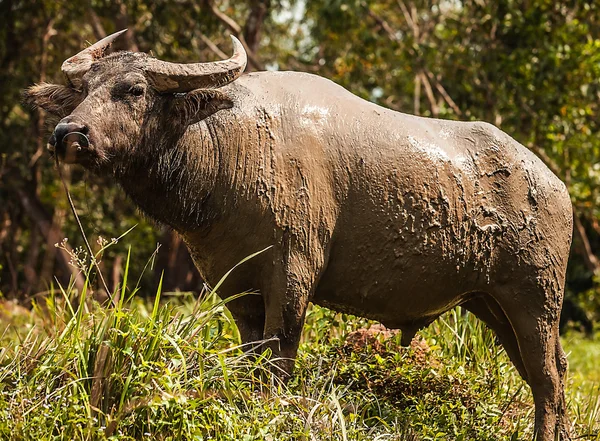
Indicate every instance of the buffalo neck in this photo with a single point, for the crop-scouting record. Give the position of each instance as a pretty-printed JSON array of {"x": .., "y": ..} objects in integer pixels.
[{"x": 172, "y": 178}]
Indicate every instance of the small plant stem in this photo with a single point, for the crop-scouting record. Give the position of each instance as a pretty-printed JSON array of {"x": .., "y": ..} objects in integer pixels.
[{"x": 87, "y": 244}]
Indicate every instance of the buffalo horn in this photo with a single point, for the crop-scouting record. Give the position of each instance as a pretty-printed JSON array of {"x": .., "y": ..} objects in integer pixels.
[
  {"x": 177, "y": 78},
  {"x": 75, "y": 67}
]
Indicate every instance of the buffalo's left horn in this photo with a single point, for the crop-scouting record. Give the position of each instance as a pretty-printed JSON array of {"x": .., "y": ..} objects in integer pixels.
[
  {"x": 174, "y": 77},
  {"x": 75, "y": 67}
]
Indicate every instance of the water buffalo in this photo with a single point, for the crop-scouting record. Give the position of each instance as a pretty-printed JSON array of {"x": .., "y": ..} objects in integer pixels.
[{"x": 388, "y": 216}]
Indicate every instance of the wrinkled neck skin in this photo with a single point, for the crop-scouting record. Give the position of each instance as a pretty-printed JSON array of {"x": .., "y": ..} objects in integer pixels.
[{"x": 172, "y": 176}]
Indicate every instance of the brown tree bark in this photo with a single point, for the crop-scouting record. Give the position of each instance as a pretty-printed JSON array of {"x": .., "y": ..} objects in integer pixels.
[
  {"x": 236, "y": 29},
  {"x": 254, "y": 23},
  {"x": 423, "y": 75},
  {"x": 51, "y": 237},
  {"x": 41, "y": 116},
  {"x": 97, "y": 26},
  {"x": 591, "y": 261},
  {"x": 33, "y": 207},
  {"x": 127, "y": 42},
  {"x": 10, "y": 252},
  {"x": 31, "y": 263}
]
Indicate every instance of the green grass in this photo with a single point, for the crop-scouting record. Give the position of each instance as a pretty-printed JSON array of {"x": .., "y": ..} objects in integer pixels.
[{"x": 173, "y": 369}]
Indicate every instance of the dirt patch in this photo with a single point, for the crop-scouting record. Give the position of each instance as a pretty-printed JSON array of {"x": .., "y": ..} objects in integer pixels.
[
  {"x": 380, "y": 340},
  {"x": 372, "y": 359}
]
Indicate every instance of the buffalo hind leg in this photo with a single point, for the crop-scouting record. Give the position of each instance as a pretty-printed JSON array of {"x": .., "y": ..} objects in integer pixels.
[
  {"x": 487, "y": 310},
  {"x": 535, "y": 321}
]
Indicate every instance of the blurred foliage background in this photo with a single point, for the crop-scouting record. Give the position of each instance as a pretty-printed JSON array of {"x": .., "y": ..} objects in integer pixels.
[{"x": 531, "y": 67}]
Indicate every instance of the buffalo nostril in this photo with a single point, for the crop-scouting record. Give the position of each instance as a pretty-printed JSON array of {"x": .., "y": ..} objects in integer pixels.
[
  {"x": 63, "y": 129},
  {"x": 75, "y": 140}
]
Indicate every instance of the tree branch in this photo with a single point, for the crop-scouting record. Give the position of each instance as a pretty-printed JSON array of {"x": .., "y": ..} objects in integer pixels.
[
  {"x": 126, "y": 42},
  {"x": 590, "y": 259},
  {"x": 237, "y": 31},
  {"x": 417, "y": 95},
  {"x": 429, "y": 92},
  {"x": 254, "y": 23},
  {"x": 122, "y": 22},
  {"x": 384, "y": 25},
  {"x": 410, "y": 18},
  {"x": 443, "y": 92},
  {"x": 97, "y": 27},
  {"x": 424, "y": 77},
  {"x": 225, "y": 19},
  {"x": 212, "y": 46}
]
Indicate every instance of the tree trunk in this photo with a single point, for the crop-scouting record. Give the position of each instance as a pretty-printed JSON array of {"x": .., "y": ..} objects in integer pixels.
[
  {"x": 254, "y": 23},
  {"x": 42, "y": 221},
  {"x": 31, "y": 264},
  {"x": 590, "y": 259}
]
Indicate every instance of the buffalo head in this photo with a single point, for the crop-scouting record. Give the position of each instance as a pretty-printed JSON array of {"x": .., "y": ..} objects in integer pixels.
[{"x": 112, "y": 103}]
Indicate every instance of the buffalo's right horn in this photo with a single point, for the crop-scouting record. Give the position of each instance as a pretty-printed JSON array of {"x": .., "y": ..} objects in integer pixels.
[
  {"x": 175, "y": 77},
  {"x": 75, "y": 67}
]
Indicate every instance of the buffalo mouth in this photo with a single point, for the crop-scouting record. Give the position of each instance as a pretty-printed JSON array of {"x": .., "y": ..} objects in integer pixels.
[{"x": 74, "y": 148}]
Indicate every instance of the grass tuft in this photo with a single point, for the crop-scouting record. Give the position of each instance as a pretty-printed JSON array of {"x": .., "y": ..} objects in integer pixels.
[{"x": 173, "y": 369}]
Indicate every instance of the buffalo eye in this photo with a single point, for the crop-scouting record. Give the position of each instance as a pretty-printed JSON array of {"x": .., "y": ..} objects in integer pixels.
[{"x": 137, "y": 90}]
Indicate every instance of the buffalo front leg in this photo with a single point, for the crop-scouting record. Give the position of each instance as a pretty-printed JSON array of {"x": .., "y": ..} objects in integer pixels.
[
  {"x": 286, "y": 301},
  {"x": 248, "y": 312}
]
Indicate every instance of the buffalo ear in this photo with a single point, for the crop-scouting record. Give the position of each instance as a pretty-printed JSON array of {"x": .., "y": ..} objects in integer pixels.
[
  {"x": 199, "y": 104},
  {"x": 53, "y": 98}
]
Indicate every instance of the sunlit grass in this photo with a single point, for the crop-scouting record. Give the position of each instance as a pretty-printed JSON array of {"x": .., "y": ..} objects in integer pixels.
[{"x": 172, "y": 368}]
